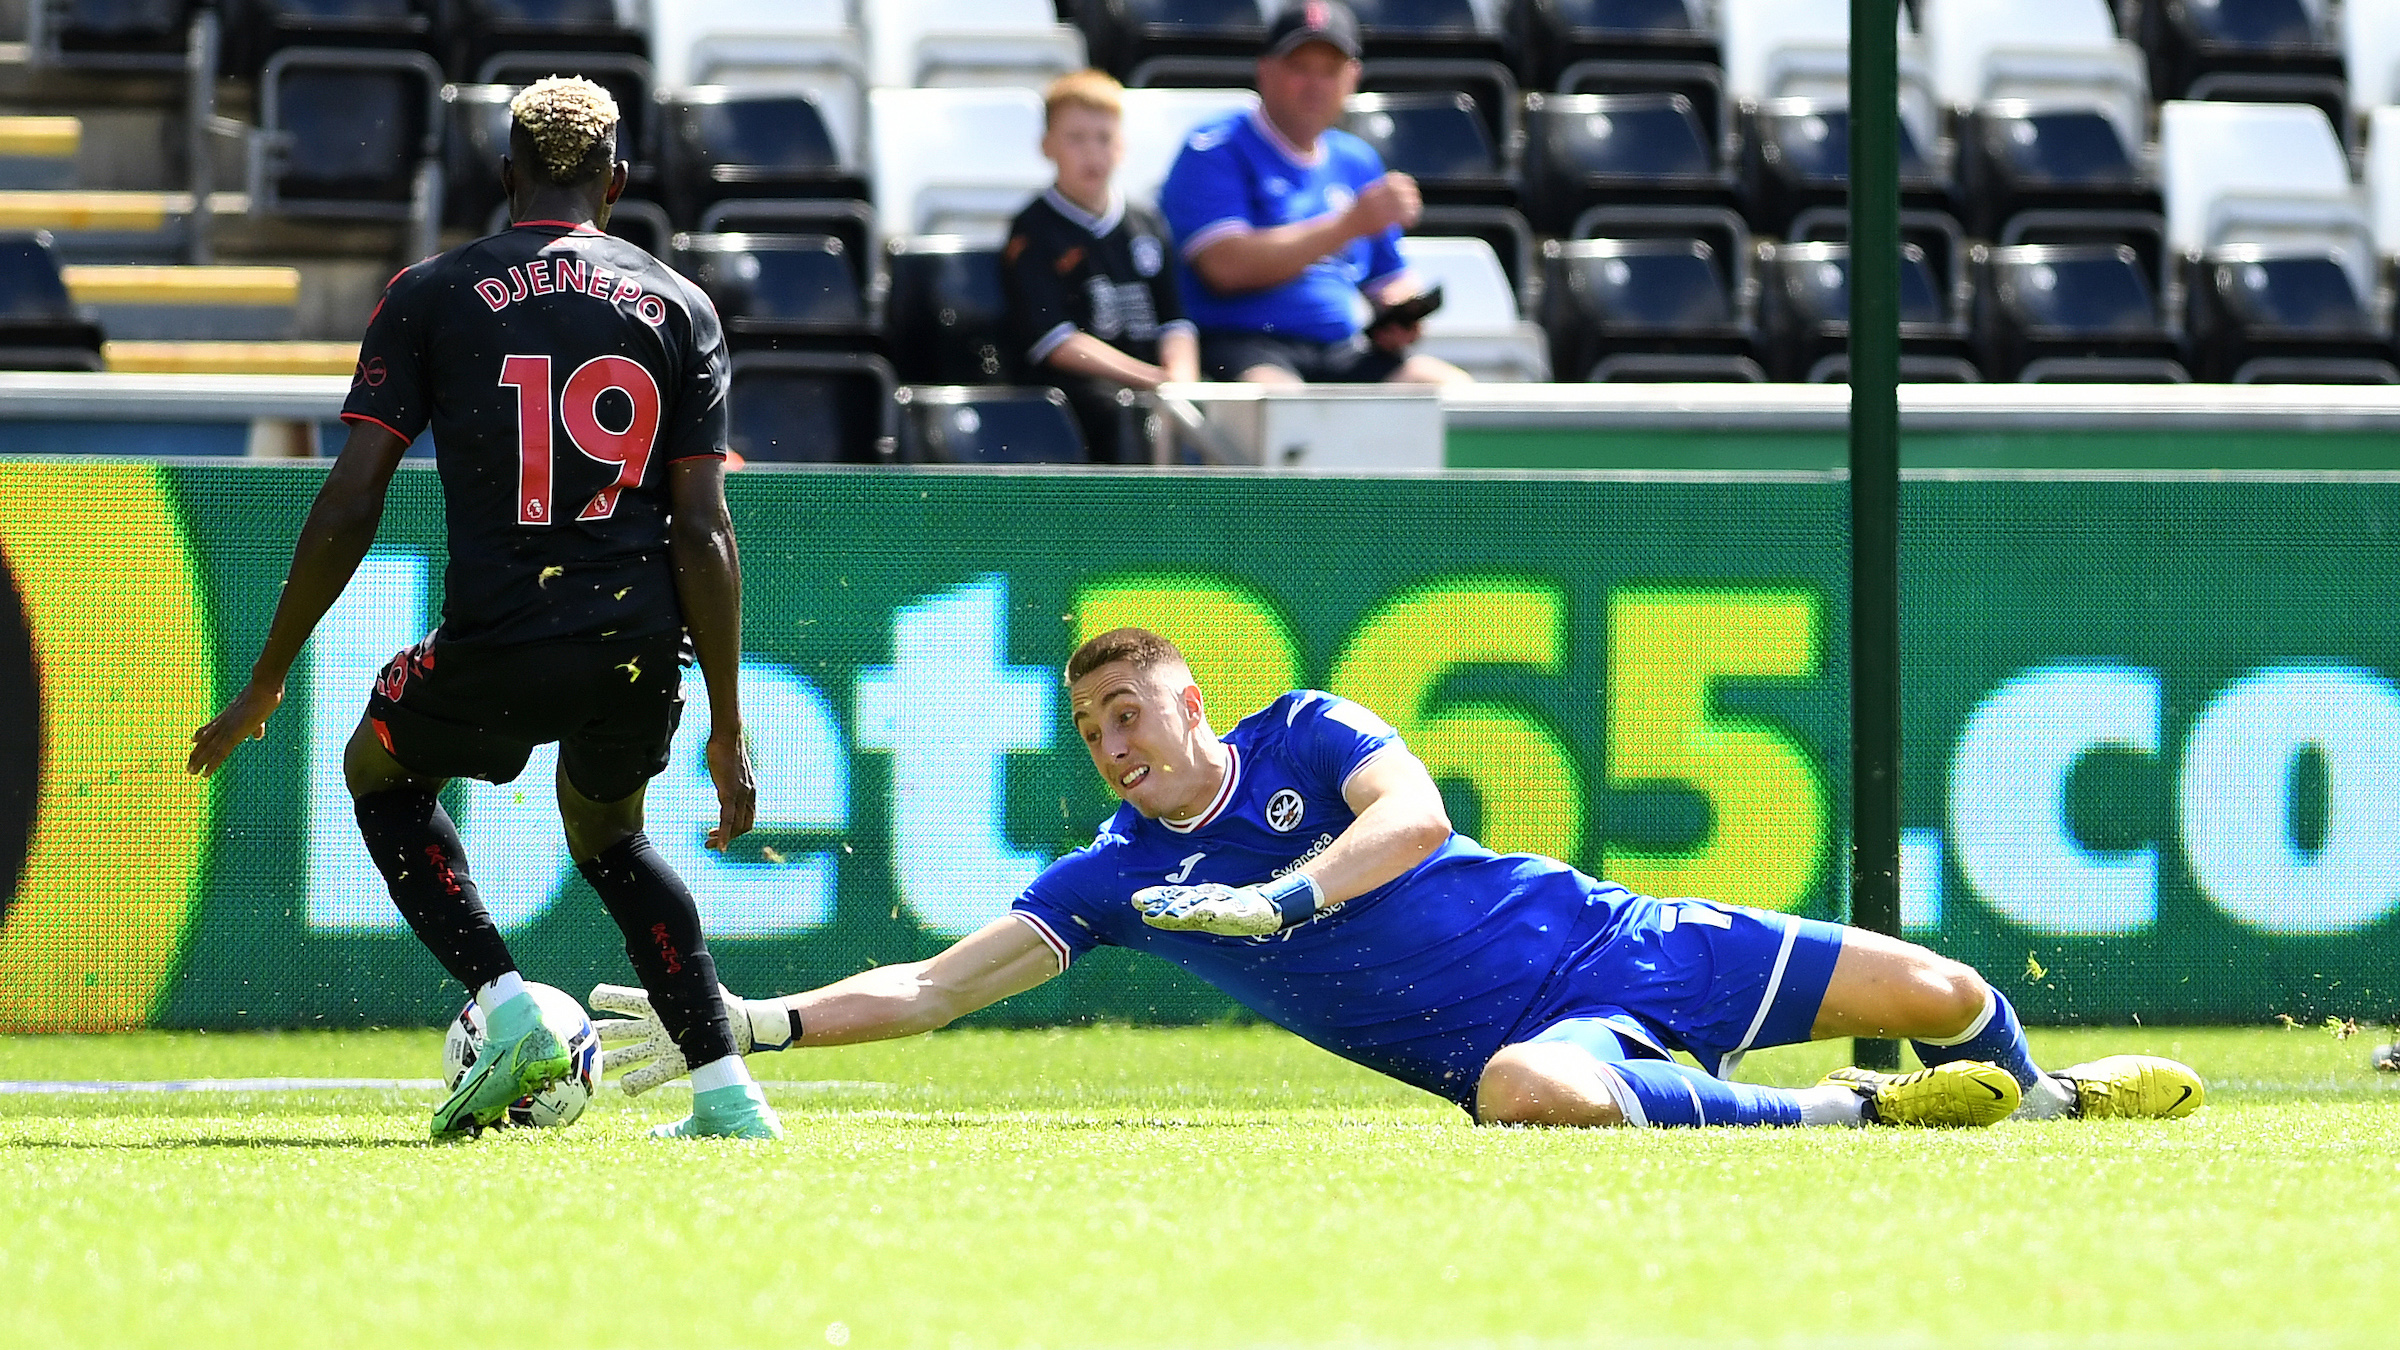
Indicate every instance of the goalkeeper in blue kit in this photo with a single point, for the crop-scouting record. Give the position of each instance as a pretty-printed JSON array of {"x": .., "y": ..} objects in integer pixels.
[{"x": 1304, "y": 864}]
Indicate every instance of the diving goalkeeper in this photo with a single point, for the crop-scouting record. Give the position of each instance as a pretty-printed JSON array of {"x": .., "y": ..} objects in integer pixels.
[{"x": 1304, "y": 864}]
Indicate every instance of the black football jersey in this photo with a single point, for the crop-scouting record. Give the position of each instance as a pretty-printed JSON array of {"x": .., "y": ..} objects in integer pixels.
[
  {"x": 561, "y": 370},
  {"x": 1067, "y": 271}
]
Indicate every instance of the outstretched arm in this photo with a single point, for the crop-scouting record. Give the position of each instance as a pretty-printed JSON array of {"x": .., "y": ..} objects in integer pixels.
[
  {"x": 339, "y": 530},
  {"x": 708, "y": 582},
  {"x": 1003, "y": 957}
]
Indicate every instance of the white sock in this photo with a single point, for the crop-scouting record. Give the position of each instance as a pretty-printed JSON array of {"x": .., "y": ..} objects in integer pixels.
[
  {"x": 1831, "y": 1104},
  {"x": 499, "y": 991},
  {"x": 2047, "y": 1099},
  {"x": 718, "y": 1073}
]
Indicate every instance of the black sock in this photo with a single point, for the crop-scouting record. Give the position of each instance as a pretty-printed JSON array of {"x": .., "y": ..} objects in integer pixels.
[
  {"x": 662, "y": 936},
  {"x": 415, "y": 846}
]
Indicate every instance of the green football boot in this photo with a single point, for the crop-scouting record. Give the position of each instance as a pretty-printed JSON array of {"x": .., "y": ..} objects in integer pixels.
[
  {"x": 735, "y": 1111},
  {"x": 2134, "y": 1087},
  {"x": 1962, "y": 1093},
  {"x": 520, "y": 1057}
]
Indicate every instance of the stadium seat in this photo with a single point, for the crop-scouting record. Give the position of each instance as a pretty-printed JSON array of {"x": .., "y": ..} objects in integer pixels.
[
  {"x": 644, "y": 224},
  {"x": 1585, "y": 149},
  {"x": 2052, "y": 308},
  {"x": 40, "y": 328},
  {"x": 257, "y": 29},
  {"x": 956, "y": 161},
  {"x": 1796, "y": 155},
  {"x": 1554, "y": 36},
  {"x": 2371, "y": 55},
  {"x": 776, "y": 291},
  {"x": 348, "y": 134},
  {"x": 109, "y": 34},
  {"x": 1437, "y": 28},
  {"x": 967, "y": 43},
  {"x": 1125, "y": 34},
  {"x": 2255, "y": 310},
  {"x": 475, "y": 134},
  {"x": 945, "y": 316},
  {"x": 1156, "y": 123},
  {"x": 1439, "y": 139},
  {"x": 2056, "y": 53},
  {"x": 812, "y": 46},
  {"x": 1479, "y": 327},
  {"x": 1612, "y": 297},
  {"x": 478, "y": 30},
  {"x": 38, "y": 153},
  {"x": 952, "y": 424},
  {"x": 850, "y": 222},
  {"x": 1701, "y": 82},
  {"x": 626, "y": 78},
  {"x": 2016, "y": 156},
  {"x": 812, "y": 407},
  {"x": 2192, "y": 42},
  {"x": 1935, "y": 234},
  {"x": 1801, "y": 49},
  {"x": 2272, "y": 175},
  {"x": 718, "y": 142},
  {"x": 188, "y": 303},
  {"x": 1805, "y": 312}
]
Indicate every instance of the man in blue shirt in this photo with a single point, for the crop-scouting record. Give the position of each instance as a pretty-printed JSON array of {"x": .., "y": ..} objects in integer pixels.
[
  {"x": 1304, "y": 864},
  {"x": 1281, "y": 220}
]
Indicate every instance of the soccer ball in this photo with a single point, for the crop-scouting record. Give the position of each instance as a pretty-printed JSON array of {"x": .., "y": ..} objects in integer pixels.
[{"x": 562, "y": 1102}]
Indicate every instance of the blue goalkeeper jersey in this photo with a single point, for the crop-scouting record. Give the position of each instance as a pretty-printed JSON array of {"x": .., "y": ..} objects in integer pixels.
[{"x": 1423, "y": 978}]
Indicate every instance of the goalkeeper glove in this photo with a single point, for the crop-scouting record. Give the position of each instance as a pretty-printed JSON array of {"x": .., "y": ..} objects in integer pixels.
[
  {"x": 640, "y": 1039},
  {"x": 1231, "y": 911}
]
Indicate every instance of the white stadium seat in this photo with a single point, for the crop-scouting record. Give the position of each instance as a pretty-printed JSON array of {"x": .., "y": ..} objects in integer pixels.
[
  {"x": 810, "y": 45},
  {"x": 1157, "y": 123},
  {"x": 2048, "y": 53},
  {"x": 955, "y": 161},
  {"x": 2371, "y": 53},
  {"x": 1478, "y": 328},
  {"x": 2270, "y": 174},
  {"x": 968, "y": 43},
  {"x": 2383, "y": 178},
  {"x": 1801, "y": 49}
]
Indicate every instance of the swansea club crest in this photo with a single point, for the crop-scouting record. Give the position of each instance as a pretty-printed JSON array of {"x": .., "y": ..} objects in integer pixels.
[{"x": 1284, "y": 810}]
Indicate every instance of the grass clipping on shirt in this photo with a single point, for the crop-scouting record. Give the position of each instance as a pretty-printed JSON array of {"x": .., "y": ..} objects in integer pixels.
[{"x": 565, "y": 115}]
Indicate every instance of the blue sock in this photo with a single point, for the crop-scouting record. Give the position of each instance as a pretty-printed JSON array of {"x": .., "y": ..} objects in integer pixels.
[
  {"x": 1678, "y": 1094},
  {"x": 1996, "y": 1037}
]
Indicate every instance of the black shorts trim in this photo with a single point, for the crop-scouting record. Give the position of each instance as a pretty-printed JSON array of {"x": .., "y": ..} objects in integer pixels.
[
  {"x": 451, "y": 710},
  {"x": 1353, "y": 360}
]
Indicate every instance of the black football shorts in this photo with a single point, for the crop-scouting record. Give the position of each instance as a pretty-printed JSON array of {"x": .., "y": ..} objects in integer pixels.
[
  {"x": 447, "y": 710},
  {"x": 1354, "y": 360}
]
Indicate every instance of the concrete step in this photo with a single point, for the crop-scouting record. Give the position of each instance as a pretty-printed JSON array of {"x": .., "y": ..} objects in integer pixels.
[
  {"x": 181, "y": 302},
  {"x": 39, "y": 152}
]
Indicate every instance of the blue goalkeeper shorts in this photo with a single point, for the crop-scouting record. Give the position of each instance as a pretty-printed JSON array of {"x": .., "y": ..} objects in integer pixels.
[{"x": 1714, "y": 981}]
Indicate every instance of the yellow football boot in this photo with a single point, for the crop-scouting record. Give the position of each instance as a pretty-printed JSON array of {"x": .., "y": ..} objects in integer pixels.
[
  {"x": 1964, "y": 1092},
  {"x": 2134, "y": 1087}
]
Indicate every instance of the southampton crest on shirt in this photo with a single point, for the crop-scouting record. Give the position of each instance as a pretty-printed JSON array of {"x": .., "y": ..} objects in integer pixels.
[{"x": 1284, "y": 810}]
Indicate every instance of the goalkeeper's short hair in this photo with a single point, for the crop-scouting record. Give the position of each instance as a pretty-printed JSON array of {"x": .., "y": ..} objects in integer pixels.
[
  {"x": 1138, "y": 647},
  {"x": 564, "y": 130}
]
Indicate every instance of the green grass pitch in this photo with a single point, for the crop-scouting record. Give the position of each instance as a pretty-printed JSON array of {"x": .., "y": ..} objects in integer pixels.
[{"x": 1221, "y": 1186}]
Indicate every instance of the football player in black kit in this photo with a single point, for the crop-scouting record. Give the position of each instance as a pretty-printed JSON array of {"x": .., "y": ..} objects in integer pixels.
[
  {"x": 575, "y": 388},
  {"x": 1092, "y": 305}
]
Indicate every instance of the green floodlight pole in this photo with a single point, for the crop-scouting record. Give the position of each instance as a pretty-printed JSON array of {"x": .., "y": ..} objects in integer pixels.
[{"x": 1875, "y": 479}]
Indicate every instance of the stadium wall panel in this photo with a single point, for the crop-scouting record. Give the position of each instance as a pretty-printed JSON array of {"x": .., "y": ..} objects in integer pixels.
[{"x": 2152, "y": 724}]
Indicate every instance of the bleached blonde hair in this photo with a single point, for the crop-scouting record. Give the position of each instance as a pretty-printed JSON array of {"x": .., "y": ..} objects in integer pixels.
[{"x": 565, "y": 116}]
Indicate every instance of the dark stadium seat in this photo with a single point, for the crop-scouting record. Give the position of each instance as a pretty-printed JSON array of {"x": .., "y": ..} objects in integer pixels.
[
  {"x": 1701, "y": 82},
  {"x": 1443, "y": 28},
  {"x": 774, "y": 291},
  {"x": 1124, "y": 34},
  {"x": 2188, "y": 42},
  {"x": 1004, "y": 424},
  {"x": 2015, "y": 156},
  {"x": 1933, "y": 233},
  {"x": 1606, "y": 298},
  {"x": 2040, "y": 305},
  {"x": 345, "y": 133},
  {"x": 39, "y": 326},
  {"x": 812, "y": 407},
  {"x": 1805, "y": 311},
  {"x": 718, "y": 142},
  {"x": 1796, "y": 155},
  {"x": 109, "y": 34},
  {"x": 257, "y": 29},
  {"x": 945, "y": 313},
  {"x": 626, "y": 78},
  {"x": 1439, "y": 139},
  {"x": 2249, "y": 305},
  {"x": 478, "y": 30},
  {"x": 1554, "y": 36},
  {"x": 851, "y": 222},
  {"x": 1586, "y": 149}
]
